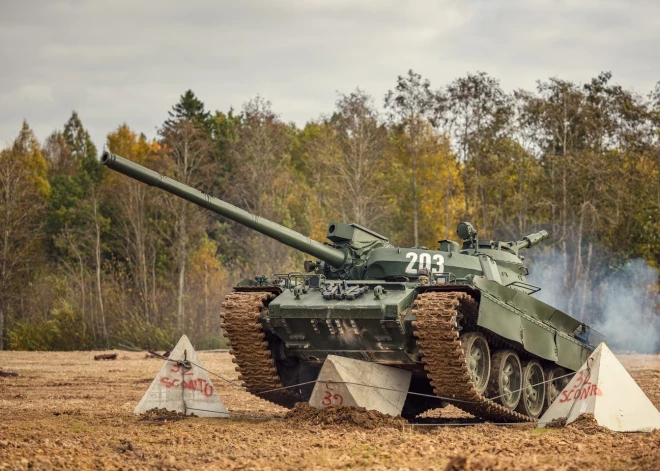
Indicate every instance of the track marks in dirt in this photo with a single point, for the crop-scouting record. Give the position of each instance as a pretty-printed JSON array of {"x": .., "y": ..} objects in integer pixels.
[{"x": 85, "y": 422}]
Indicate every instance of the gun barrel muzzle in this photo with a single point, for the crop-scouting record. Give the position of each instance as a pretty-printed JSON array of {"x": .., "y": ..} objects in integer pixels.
[{"x": 533, "y": 239}]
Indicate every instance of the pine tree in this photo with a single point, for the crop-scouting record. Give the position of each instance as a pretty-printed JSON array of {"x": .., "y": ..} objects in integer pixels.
[
  {"x": 189, "y": 108},
  {"x": 82, "y": 148}
]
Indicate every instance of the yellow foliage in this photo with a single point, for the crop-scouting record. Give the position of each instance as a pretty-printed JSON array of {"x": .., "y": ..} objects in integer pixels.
[
  {"x": 204, "y": 264},
  {"x": 129, "y": 145},
  {"x": 439, "y": 187},
  {"x": 318, "y": 218},
  {"x": 441, "y": 202},
  {"x": 27, "y": 151},
  {"x": 208, "y": 282}
]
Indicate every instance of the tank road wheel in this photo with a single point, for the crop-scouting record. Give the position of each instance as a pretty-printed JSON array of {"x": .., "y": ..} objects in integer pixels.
[
  {"x": 477, "y": 355},
  {"x": 532, "y": 399},
  {"x": 505, "y": 379},
  {"x": 555, "y": 383}
]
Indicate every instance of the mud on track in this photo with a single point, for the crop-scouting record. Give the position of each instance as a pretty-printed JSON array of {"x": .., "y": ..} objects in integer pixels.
[{"x": 67, "y": 411}]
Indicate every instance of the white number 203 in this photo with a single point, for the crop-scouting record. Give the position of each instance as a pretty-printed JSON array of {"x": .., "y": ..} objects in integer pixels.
[{"x": 435, "y": 263}]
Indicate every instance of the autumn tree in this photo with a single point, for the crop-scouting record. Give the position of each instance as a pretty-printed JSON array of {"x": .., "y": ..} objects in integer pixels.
[
  {"x": 135, "y": 236},
  {"x": 189, "y": 149},
  {"x": 260, "y": 181},
  {"x": 208, "y": 283},
  {"x": 410, "y": 105},
  {"x": 476, "y": 112},
  {"x": 583, "y": 137},
  {"x": 58, "y": 155},
  {"x": 347, "y": 159},
  {"x": 75, "y": 219},
  {"x": 24, "y": 191}
]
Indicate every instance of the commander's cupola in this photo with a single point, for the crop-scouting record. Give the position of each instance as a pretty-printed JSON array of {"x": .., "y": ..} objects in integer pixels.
[{"x": 499, "y": 260}]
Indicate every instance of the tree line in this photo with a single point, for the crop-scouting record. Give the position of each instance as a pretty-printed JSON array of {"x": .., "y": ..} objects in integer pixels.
[{"x": 92, "y": 259}]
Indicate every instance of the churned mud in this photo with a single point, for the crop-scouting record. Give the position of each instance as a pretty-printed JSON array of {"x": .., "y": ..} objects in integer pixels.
[
  {"x": 587, "y": 424},
  {"x": 67, "y": 411},
  {"x": 336, "y": 415}
]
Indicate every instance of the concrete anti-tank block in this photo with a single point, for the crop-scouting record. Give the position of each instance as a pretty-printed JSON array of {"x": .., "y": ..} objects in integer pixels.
[
  {"x": 347, "y": 382},
  {"x": 186, "y": 389},
  {"x": 604, "y": 388}
]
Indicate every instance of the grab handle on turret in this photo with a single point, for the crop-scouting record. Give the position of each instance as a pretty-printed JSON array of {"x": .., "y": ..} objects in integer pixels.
[{"x": 331, "y": 255}]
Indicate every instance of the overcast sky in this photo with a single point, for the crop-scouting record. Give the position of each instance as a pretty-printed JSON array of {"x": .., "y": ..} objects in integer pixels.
[{"x": 129, "y": 61}]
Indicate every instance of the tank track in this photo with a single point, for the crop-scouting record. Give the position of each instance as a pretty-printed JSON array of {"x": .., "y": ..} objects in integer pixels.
[
  {"x": 258, "y": 372},
  {"x": 437, "y": 331}
]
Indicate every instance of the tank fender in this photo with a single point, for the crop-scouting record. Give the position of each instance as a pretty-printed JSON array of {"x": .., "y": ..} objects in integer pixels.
[
  {"x": 498, "y": 312},
  {"x": 521, "y": 318}
]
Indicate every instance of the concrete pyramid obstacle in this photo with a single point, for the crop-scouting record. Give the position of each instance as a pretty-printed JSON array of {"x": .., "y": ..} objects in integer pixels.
[
  {"x": 347, "y": 382},
  {"x": 604, "y": 388},
  {"x": 182, "y": 386}
]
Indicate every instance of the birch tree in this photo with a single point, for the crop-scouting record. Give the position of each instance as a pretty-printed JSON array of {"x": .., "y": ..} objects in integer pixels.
[
  {"x": 410, "y": 106},
  {"x": 189, "y": 148},
  {"x": 24, "y": 190}
]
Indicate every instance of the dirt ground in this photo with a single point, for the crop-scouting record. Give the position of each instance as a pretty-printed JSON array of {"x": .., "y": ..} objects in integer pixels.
[{"x": 67, "y": 411}]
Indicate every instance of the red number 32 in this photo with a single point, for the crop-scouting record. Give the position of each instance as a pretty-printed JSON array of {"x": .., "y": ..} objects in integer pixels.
[{"x": 330, "y": 398}]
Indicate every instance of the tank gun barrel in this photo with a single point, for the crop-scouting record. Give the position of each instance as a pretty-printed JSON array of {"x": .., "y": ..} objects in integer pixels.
[
  {"x": 331, "y": 255},
  {"x": 530, "y": 240}
]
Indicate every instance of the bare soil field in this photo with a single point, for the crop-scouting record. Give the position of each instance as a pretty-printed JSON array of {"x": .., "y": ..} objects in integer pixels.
[{"x": 67, "y": 411}]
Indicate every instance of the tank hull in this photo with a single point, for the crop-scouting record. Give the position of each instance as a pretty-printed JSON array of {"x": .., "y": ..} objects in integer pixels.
[
  {"x": 380, "y": 329},
  {"x": 301, "y": 329}
]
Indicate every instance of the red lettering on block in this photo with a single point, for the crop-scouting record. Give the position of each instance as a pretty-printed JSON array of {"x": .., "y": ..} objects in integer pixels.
[
  {"x": 327, "y": 399},
  {"x": 332, "y": 399},
  {"x": 198, "y": 385},
  {"x": 189, "y": 384},
  {"x": 176, "y": 368},
  {"x": 581, "y": 393},
  {"x": 169, "y": 383}
]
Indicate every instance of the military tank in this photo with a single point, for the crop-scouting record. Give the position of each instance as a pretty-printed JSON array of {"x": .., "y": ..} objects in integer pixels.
[{"x": 461, "y": 317}]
